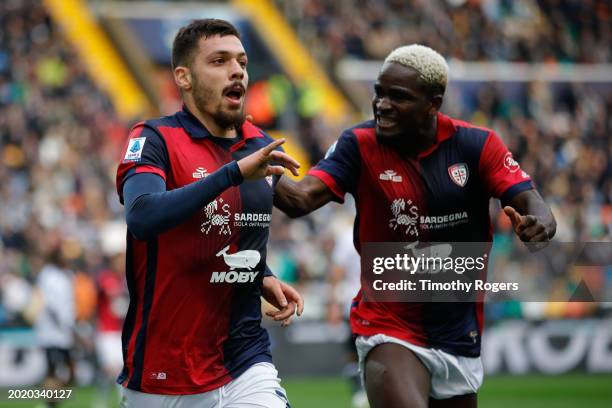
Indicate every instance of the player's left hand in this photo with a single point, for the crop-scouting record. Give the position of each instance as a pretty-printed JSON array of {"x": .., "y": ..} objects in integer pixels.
[
  {"x": 528, "y": 228},
  {"x": 285, "y": 298}
]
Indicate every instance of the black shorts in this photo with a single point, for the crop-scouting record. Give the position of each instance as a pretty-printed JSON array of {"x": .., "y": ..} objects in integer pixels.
[{"x": 57, "y": 359}]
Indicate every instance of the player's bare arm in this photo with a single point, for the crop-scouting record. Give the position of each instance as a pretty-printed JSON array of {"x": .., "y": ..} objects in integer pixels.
[
  {"x": 531, "y": 217},
  {"x": 298, "y": 198}
]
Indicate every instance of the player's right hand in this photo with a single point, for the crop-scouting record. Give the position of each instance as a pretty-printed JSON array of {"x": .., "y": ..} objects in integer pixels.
[
  {"x": 286, "y": 299},
  {"x": 258, "y": 165},
  {"x": 528, "y": 228}
]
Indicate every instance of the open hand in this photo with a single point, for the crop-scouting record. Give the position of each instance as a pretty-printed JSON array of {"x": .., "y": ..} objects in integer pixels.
[{"x": 257, "y": 165}]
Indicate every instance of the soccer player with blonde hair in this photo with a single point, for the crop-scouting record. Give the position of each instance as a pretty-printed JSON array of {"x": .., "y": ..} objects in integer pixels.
[{"x": 408, "y": 165}]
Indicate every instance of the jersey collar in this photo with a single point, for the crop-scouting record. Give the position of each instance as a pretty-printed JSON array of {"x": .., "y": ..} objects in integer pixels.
[
  {"x": 445, "y": 129},
  {"x": 197, "y": 130}
]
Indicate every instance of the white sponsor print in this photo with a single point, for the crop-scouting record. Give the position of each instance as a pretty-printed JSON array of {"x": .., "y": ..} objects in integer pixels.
[
  {"x": 402, "y": 219},
  {"x": 242, "y": 259},
  {"x": 459, "y": 173},
  {"x": 390, "y": 175},
  {"x": 270, "y": 180},
  {"x": 443, "y": 221},
  {"x": 134, "y": 149},
  {"x": 331, "y": 150},
  {"x": 217, "y": 215},
  {"x": 252, "y": 220},
  {"x": 248, "y": 258},
  {"x": 200, "y": 173},
  {"x": 511, "y": 164},
  {"x": 233, "y": 277},
  {"x": 406, "y": 214}
]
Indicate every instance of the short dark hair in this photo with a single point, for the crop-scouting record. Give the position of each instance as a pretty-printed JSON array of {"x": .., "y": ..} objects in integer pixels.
[{"x": 187, "y": 38}]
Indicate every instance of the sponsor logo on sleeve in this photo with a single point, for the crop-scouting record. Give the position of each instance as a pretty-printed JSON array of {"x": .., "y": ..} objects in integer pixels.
[
  {"x": 331, "y": 150},
  {"x": 511, "y": 164},
  {"x": 134, "y": 150}
]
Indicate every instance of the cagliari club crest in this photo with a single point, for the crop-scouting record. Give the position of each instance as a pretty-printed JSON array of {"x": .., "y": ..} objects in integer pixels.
[{"x": 459, "y": 173}]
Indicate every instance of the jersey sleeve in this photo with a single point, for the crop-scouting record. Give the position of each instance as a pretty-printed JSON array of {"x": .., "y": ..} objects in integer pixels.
[
  {"x": 145, "y": 152},
  {"x": 340, "y": 168},
  {"x": 502, "y": 175},
  {"x": 268, "y": 272}
]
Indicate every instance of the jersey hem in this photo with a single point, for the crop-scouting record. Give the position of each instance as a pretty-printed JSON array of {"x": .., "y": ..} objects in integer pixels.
[{"x": 182, "y": 390}]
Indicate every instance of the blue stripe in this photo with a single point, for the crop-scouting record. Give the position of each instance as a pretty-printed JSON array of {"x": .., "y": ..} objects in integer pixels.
[
  {"x": 130, "y": 318},
  {"x": 514, "y": 190},
  {"x": 139, "y": 352}
]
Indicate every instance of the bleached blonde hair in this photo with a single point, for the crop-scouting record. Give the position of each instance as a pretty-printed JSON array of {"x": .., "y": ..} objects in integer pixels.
[{"x": 430, "y": 65}]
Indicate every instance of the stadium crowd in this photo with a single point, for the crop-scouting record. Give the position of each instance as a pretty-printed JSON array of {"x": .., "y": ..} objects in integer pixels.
[
  {"x": 469, "y": 30},
  {"x": 60, "y": 222},
  {"x": 61, "y": 142}
]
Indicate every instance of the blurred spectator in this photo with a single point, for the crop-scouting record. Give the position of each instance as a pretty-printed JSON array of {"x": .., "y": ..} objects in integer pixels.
[
  {"x": 60, "y": 140},
  {"x": 112, "y": 308},
  {"x": 55, "y": 321},
  {"x": 481, "y": 30}
]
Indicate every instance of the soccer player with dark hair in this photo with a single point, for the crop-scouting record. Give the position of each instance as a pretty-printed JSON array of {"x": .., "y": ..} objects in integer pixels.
[
  {"x": 409, "y": 161},
  {"x": 198, "y": 192}
]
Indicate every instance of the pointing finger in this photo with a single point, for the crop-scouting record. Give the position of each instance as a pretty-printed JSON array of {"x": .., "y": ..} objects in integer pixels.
[
  {"x": 269, "y": 148},
  {"x": 285, "y": 158}
]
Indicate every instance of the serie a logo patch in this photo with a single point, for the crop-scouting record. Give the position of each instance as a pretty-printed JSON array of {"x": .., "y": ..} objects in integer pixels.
[{"x": 134, "y": 150}]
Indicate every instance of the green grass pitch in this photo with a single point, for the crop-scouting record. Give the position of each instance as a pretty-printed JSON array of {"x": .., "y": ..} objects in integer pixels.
[{"x": 533, "y": 391}]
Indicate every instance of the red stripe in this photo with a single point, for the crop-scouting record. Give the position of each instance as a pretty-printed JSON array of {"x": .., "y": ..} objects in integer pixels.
[
  {"x": 237, "y": 146},
  {"x": 446, "y": 128},
  {"x": 329, "y": 182},
  {"x": 249, "y": 130},
  {"x": 147, "y": 168}
]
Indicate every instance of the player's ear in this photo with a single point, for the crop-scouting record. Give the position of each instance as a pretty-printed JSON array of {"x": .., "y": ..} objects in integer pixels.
[
  {"x": 436, "y": 104},
  {"x": 182, "y": 78}
]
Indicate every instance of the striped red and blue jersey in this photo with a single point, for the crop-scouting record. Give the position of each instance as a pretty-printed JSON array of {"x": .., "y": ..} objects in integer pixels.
[
  {"x": 194, "y": 320},
  {"x": 445, "y": 190}
]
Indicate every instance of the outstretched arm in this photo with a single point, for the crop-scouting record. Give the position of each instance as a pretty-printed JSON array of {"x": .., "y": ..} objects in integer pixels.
[
  {"x": 531, "y": 217},
  {"x": 150, "y": 209},
  {"x": 302, "y": 197}
]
